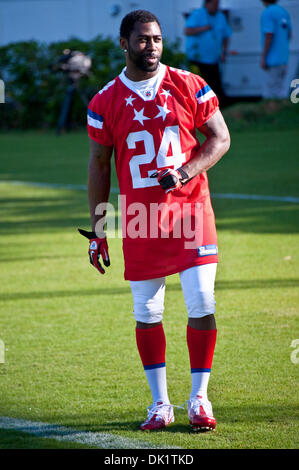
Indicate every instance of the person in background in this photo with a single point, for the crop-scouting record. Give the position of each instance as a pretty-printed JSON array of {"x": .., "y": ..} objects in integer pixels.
[
  {"x": 207, "y": 36},
  {"x": 276, "y": 31}
]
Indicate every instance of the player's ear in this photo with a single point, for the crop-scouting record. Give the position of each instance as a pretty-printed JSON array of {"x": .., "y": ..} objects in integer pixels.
[{"x": 123, "y": 44}]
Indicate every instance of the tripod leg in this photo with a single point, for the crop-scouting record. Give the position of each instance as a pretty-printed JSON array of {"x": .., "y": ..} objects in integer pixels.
[
  {"x": 64, "y": 114},
  {"x": 84, "y": 99}
]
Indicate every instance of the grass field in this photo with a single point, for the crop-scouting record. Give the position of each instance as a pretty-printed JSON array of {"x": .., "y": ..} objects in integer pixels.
[{"x": 68, "y": 333}]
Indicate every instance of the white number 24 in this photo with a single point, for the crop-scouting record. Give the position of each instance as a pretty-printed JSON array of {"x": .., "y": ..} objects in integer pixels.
[{"x": 171, "y": 137}]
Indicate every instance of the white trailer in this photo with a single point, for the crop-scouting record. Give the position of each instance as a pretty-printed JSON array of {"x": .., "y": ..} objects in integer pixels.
[{"x": 242, "y": 74}]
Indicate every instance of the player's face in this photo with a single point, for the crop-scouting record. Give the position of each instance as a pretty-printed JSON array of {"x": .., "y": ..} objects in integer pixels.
[
  {"x": 213, "y": 6},
  {"x": 145, "y": 46}
]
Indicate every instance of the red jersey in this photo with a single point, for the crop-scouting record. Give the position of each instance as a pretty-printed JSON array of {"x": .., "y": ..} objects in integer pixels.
[{"x": 152, "y": 125}]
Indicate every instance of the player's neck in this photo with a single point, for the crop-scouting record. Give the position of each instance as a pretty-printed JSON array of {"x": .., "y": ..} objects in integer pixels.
[{"x": 136, "y": 75}]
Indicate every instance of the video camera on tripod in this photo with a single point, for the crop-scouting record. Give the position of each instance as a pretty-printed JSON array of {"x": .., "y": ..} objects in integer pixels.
[{"x": 75, "y": 64}]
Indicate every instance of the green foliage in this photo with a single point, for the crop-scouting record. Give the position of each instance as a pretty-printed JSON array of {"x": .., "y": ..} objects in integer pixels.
[
  {"x": 264, "y": 115},
  {"x": 34, "y": 90}
]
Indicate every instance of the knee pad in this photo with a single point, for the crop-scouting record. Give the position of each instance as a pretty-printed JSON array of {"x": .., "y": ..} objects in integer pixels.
[
  {"x": 198, "y": 287},
  {"x": 200, "y": 304},
  {"x": 148, "y": 301},
  {"x": 148, "y": 312}
]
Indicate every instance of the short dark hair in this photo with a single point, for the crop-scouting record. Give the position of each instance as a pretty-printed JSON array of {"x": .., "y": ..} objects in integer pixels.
[{"x": 128, "y": 22}]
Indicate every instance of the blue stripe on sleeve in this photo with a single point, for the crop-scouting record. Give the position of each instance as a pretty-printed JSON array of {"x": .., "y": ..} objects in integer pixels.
[
  {"x": 203, "y": 91},
  {"x": 95, "y": 116}
]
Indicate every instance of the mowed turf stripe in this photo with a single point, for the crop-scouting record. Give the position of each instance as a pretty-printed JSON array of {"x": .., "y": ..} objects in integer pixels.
[
  {"x": 83, "y": 187},
  {"x": 61, "y": 433},
  {"x": 73, "y": 187}
]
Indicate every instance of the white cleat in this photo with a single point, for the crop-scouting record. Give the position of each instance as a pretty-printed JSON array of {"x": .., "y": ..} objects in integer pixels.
[
  {"x": 159, "y": 415},
  {"x": 200, "y": 414}
]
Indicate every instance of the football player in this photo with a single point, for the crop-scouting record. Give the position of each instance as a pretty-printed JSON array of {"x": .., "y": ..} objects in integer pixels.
[{"x": 149, "y": 116}]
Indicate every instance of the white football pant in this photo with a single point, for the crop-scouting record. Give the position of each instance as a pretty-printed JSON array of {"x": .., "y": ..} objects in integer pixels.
[{"x": 198, "y": 289}]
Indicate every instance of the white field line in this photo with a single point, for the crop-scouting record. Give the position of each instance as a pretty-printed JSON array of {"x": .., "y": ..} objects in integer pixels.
[
  {"x": 61, "y": 433},
  {"x": 83, "y": 187}
]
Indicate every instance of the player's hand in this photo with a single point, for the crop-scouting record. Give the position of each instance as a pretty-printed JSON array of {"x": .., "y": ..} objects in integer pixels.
[
  {"x": 97, "y": 247},
  {"x": 171, "y": 179}
]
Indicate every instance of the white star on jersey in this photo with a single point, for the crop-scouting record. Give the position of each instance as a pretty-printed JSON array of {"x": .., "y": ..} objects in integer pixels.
[
  {"x": 139, "y": 116},
  {"x": 130, "y": 100},
  {"x": 166, "y": 93},
  {"x": 163, "y": 111}
]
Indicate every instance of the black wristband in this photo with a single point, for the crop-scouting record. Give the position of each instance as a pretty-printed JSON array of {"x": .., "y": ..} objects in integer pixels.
[
  {"x": 89, "y": 235},
  {"x": 183, "y": 174}
]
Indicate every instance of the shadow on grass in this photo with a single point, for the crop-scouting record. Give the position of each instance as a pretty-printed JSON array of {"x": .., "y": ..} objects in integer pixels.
[
  {"x": 135, "y": 426},
  {"x": 113, "y": 291},
  {"x": 10, "y": 439},
  {"x": 63, "y": 209},
  {"x": 33, "y": 258},
  {"x": 253, "y": 413},
  {"x": 250, "y": 415},
  {"x": 244, "y": 414}
]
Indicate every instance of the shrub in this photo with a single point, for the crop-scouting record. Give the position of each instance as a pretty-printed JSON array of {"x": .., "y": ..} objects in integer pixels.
[{"x": 35, "y": 91}]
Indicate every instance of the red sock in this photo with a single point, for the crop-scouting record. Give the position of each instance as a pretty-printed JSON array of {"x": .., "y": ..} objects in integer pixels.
[
  {"x": 201, "y": 345},
  {"x": 151, "y": 345}
]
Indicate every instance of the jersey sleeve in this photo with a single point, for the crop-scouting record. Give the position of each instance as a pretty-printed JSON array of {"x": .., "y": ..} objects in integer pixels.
[
  {"x": 206, "y": 103},
  {"x": 98, "y": 121},
  {"x": 267, "y": 23},
  {"x": 195, "y": 19}
]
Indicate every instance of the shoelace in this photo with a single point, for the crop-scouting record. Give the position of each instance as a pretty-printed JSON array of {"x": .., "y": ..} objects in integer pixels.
[
  {"x": 156, "y": 410},
  {"x": 197, "y": 403},
  {"x": 193, "y": 401}
]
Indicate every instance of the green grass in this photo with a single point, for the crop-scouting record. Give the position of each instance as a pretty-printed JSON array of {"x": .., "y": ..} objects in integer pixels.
[
  {"x": 70, "y": 352},
  {"x": 20, "y": 440}
]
